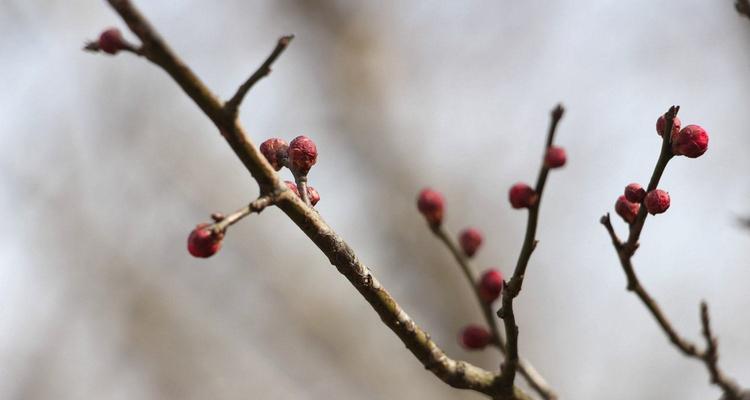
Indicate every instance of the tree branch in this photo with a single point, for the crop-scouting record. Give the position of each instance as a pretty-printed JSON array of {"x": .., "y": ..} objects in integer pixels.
[
  {"x": 231, "y": 106},
  {"x": 459, "y": 374},
  {"x": 743, "y": 7},
  {"x": 625, "y": 252},
  {"x": 513, "y": 287},
  {"x": 533, "y": 378},
  {"x": 256, "y": 206}
]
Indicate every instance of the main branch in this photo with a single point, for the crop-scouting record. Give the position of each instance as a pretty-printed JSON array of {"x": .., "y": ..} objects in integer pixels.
[{"x": 459, "y": 374}]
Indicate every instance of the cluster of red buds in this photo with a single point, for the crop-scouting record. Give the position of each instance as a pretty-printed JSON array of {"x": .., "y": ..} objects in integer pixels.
[
  {"x": 690, "y": 141},
  {"x": 299, "y": 156}
]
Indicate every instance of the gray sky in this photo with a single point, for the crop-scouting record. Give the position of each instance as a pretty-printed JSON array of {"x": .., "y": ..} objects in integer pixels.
[{"x": 106, "y": 166}]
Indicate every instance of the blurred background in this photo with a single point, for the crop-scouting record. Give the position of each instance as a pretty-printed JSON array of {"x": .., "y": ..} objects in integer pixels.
[{"x": 106, "y": 166}]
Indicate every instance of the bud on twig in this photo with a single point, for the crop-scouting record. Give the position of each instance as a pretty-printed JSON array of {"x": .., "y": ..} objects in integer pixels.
[
  {"x": 635, "y": 193},
  {"x": 302, "y": 155},
  {"x": 657, "y": 201},
  {"x": 490, "y": 285},
  {"x": 470, "y": 239},
  {"x": 661, "y": 122},
  {"x": 474, "y": 337},
  {"x": 626, "y": 209},
  {"x": 275, "y": 151},
  {"x": 203, "y": 241},
  {"x": 522, "y": 195},
  {"x": 691, "y": 142},
  {"x": 555, "y": 157},
  {"x": 430, "y": 203}
]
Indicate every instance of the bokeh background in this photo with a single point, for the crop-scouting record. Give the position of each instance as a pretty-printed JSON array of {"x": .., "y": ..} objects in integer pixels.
[{"x": 106, "y": 166}]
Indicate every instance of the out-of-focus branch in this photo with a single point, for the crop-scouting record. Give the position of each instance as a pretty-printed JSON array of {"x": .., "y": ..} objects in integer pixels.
[
  {"x": 626, "y": 250},
  {"x": 513, "y": 287},
  {"x": 743, "y": 7},
  {"x": 459, "y": 374},
  {"x": 532, "y": 376}
]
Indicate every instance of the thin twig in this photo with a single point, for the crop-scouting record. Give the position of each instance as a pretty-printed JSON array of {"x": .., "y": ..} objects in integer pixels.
[
  {"x": 93, "y": 46},
  {"x": 256, "y": 206},
  {"x": 711, "y": 358},
  {"x": 233, "y": 104},
  {"x": 301, "y": 181},
  {"x": 513, "y": 287},
  {"x": 534, "y": 379},
  {"x": 625, "y": 252},
  {"x": 459, "y": 374}
]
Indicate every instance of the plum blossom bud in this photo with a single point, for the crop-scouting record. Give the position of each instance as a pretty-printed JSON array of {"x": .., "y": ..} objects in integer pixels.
[
  {"x": 661, "y": 122},
  {"x": 430, "y": 203},
  {"x": 203, "y": 242},
  {"x": 490, "y": 285},
  {"x": 302, "y": 155},
  {"x": 313, "y": 195},
  {"x": 474, "y": 337},
  {"x": 522, "y": 195},
  {"x": 555, "y": 157},
  {"x": 626, "y": 209},
  {"x": 691, "y": 142},
  {"x": 275, "y": 151},
  {"x": 470, "y": 239},
  {"x": 110, "y": 41},
  {"x": 657, "y": 201},
  {"x": 635, "y": 193}
]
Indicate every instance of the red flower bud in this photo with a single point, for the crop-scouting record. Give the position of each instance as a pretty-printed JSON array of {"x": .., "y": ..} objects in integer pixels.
[
  {"x": 691, "y": 142},
  {"x": 470, "y": 239},
  {"x": 474, "y": 337},
  {"x": 663, "y": 121},
  {"x": 490, "y": 285},
  {"x": 430, "y": 203},
  {"x": 302, "y": 155},
  {"x": 626, "y": 209},
  {"x": 110, "y": 41},
  {"x": 522, "y": 196},
  {"x": 203, "y": 242},
  {"x": 555, "y": 157},
  {"x": 275, "y": 151},
  {"x": 635, "y": 193},
  {"x": 657, "y": 201},
  {"x": 293, "y": 187},
  {"x": 313, "y": 195}
]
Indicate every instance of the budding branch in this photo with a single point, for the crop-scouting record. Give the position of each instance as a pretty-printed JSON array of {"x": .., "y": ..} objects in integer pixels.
[{"x": 459, "y": 374}]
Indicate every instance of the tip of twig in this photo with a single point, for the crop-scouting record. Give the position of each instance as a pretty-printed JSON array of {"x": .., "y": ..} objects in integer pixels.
[
  {"x": 91, "y": 46},
  {"x": 558, "y": 111},
  {"x": 604, "y": 220},
  {"x": 284, "y": 40}
]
